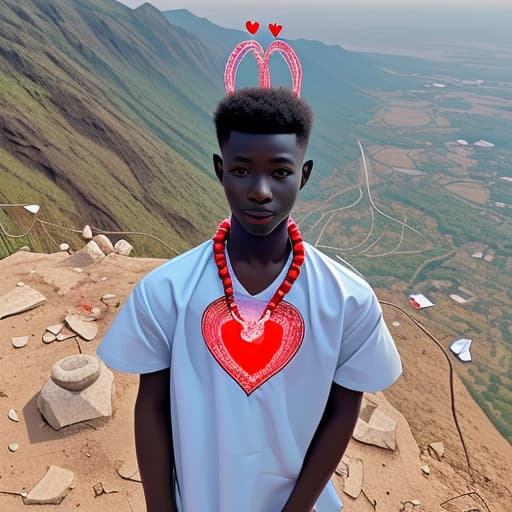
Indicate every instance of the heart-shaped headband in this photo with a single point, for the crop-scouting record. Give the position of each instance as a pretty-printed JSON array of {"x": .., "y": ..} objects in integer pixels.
[{"x": 262, "y": 59}]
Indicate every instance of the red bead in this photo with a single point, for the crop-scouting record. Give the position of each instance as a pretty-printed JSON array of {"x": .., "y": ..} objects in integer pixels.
[
  {"x": 219, "y": 256},
  {"x": 271, "y": 305},
  {"x": 298, "y": 259},
  {"x": 292, "y": 274},
  {"x": 223, "y": 272},
  {"x": 286, "y": 286},
  {"x": 227, "y": 281},
  {"x": 280, "y": 293},
  {"x": 229, "y": 291},
  {"x": 298, "y": 247},
  {"x": 218, "y": 247}
]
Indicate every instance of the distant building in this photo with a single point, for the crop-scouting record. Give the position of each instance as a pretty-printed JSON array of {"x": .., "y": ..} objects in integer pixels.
[
  {"x": 438, "y": 85},
  {"x": 462, "y": 142}
]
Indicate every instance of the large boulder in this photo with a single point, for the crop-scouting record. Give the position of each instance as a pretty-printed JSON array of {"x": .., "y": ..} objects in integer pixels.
[
  {"x": 374, "y": 427},
  {"x": 61, "y": 407}
]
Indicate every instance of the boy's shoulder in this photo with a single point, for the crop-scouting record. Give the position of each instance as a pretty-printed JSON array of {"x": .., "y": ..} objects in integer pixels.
[{"x": 336, "y": 272}]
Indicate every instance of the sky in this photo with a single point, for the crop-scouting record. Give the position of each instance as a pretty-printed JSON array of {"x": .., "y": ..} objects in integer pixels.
[{"x": 363, "y": 24}]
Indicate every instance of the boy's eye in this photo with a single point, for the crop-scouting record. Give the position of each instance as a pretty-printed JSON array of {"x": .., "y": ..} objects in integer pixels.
[
  {"x": 281, "y": 173},
  {"x": 240, "y": 171}
]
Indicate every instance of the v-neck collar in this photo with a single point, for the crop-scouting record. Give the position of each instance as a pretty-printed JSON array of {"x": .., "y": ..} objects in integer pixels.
[{"x": 268, "y": 292}]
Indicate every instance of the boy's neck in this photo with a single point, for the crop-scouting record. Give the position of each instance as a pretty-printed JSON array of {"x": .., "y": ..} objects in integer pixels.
[{"x": 263, "y": 250}]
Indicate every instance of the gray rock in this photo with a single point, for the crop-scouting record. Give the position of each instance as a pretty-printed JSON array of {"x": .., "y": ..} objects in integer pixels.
[
  {"x": 104, "y": 243},
  {"x": 64, "y": 247},
  {"x": 25, "y": 248},
  {"x": 110, "y": 299},
  {"x": 436, "y": 449},
  {"x": 65, "y": 334},
  {"x": 94, "y": 251},
  {"x": 354, "y": 481},
  {"x": 123, "y": 247},
  {"x": 375, "y": 428},
  {"x": 129, "y": 471},
  {"x": 20, "y": 300},
  {"x": 13, "y": 415},
  {"x": 52, "y": 488},
  {"x": 61, "y": 407},
  {"x": 48, "y": 337},
  {"x": 83, "y": 327},
  {"x": 76, "y": 372},
  {"x": 87, "y": 232},
  {"x": 14, "y": 447},
  {"x": 55, "y": 329},
  {"x": 19, "y": 341}
]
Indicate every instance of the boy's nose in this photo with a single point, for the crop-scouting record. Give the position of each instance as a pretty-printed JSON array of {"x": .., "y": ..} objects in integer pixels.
[{"x": 260, "y": 190}]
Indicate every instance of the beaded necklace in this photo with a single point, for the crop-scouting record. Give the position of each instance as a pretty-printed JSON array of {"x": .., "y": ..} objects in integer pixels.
[{"x": 253, "y": 329}]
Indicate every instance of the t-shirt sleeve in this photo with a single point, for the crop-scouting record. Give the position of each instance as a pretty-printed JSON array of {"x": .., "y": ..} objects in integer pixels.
[
  {"x": 140, "y": 337},
  {"x": 368, "y": 359}
]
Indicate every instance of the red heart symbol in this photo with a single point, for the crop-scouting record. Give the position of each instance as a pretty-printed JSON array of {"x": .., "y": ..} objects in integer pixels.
[
  {"x": 275, "y": 28},
  {"x": 252, "y": 26},
  {"x": 252, "y": 364}
]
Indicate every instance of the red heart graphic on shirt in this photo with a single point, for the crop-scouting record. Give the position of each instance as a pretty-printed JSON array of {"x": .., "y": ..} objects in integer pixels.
[
  {"x": 275, "y": 28},
  {"x": 252, "y": 26},
  {"x": 251, "y": 364}
]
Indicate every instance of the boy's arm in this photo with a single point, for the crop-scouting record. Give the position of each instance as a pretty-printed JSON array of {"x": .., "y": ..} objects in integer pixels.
[
  {"x": 326, "y": 449},
  {"x": 153, "y": 439}
]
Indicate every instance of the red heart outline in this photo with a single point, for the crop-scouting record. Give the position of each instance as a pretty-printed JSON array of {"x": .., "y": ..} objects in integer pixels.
[
  {"x": 252, "y": 26},
  {"x": 252, "y": 364},
  {"x": 275, "y": 28}
]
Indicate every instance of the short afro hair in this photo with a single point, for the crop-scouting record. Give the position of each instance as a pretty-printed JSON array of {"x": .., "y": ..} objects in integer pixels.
[{"x": 263, "y": 111}]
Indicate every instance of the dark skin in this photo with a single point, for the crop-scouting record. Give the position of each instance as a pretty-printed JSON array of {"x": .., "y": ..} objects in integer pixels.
[{"x": 261, "y": 175}]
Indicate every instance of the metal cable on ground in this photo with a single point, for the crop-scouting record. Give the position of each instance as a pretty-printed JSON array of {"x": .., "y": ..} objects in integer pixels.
[{"x": 452, "y": 392}]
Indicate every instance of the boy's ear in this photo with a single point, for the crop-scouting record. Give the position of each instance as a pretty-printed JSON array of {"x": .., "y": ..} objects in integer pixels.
[
  {"x": 307, "y": 167},
  {"x": 218, "y": 165}
]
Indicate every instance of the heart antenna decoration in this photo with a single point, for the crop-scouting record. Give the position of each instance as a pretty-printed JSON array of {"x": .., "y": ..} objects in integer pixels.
[{"x": 262, "y": 59}]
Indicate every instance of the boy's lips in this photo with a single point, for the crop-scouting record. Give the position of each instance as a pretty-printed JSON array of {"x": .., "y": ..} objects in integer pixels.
[{"x": 258, "y": 216}]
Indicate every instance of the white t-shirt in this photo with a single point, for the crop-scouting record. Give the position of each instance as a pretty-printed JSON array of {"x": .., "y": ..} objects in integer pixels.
[{"x": 241, "y": 432}]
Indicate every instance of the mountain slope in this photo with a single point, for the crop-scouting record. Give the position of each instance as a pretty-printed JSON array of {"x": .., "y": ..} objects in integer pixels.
[
  {"x": 335, "y": 83},
  {"x": 92, "y": 96}
]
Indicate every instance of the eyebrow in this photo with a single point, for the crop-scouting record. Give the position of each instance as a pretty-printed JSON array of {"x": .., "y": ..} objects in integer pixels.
[{"x": 275, "y": 160}]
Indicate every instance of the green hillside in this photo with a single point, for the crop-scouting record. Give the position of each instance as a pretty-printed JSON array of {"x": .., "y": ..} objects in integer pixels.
[{"x": 94, "y": 123}]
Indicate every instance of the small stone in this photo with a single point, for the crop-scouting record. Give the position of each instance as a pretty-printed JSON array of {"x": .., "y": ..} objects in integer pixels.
[
  {"x": 110, "y": 299},
  {"x": 25, "y": 248},
  {"x": 87, "y": 232},
  {"x": 13, "y": 415},
  {"x": 19, "y": 341},
  {"x": 55, "y": 329},
  {"x": 52, "y": 488},
  {"x": 19, "y": 284},
  {"x": 129, "y": 471},
  {"x": 416, "y": 503},
  {"x": 13, "y": 447},
  {"x": 396, "y": 324},
  {"x": 96, "y": 313},
  {"x": 77, "y": 269},
  {"x": 123, "y": 247},
  {"x": 84, "y": 328},
  {"x": 104, "y": 243},
  {"x": 48, "y": 337},
  {"x": 437, "y": 448},
  {"x": 103, "y": 278},
  {"x": 64, "y": 247},
  {"x": 425, "y": 469},
  {"x": 94, "y": 250},
  {"x": 65, "y": 334}
]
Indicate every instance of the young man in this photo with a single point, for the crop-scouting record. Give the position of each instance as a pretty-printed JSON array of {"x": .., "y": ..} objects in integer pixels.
[{"x": 261, "y": 344}]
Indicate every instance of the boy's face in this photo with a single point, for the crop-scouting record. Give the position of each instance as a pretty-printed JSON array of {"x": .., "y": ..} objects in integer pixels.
[{"x": 261, "y": 175}]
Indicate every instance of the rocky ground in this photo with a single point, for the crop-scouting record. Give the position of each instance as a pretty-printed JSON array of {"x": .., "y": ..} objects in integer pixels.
[{"x": 404, "y": 475}]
